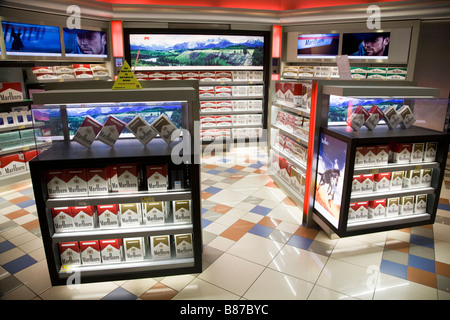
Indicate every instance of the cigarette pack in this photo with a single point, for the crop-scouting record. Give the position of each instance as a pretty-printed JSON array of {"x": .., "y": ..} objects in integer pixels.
[
  {"x": 358, "y": 211},
  {"x": 90, "y": 252},
  {"x": 407, "y": 116},
  {"x": 183, "y": 245},
  {"x": 157, "y": 177},
  {"x": 370, "y": 158},
  {"x": 426, "y": 177},
  {"x": 375, "y": 115},
  {"x": 56, "y": 183},
  {"x": 396, "y": 180},
  {"x": 295, "y": 93},
  {"x": 87, "y": 132},
  {"x": 382, "y": 181},
  {"x": 130, "y": 214},
  {"x": 134, "y": 249},
  {"x": 296, "y": 180},
  {"x": 240, "y": 76},
  {"x": 223, "y": 91},
  {"x": 76, "y": 182},
  {"x": 62, "y": 219},
  {"x": 166, "y": 129},
  {"x": 224, "y": 121},
  {"x": 412, "y": 178},
  {"x": 181, "y": 211},
  {"x": 391, "y": 117},
  {"x": 367, "y": 182},
  {"x": 382, "y": 154},
  {"x": 83, "y": 217},
  {"x": 360, "y": 155},
  {"x": 393, "y": 207},
  {"x": 97, "y": 181},
  {"x": 127, "y": 177},
  {"x": 111, "y": 250},
  {"x": 420, "y": 203},
  {"x": 160, "y": 247},
  {"x": 429, "y": 154},
  {"x": 12, "y": 163},
  {"x": 279, "y": 91},
  {"x": 377, "y": 209},
  {"x": 208, "y": 121},
  {"x": 356, "y": 183},
  {"x": 141, "y": 130},
  {"x": 401, "y": 152},
  {"x": 154, "y": 212},
  {"x": 207, "y": 76},
  {"x": 222, "y": 106},
  {"x": 406, "y": 205},
  {"x": 205, "y": 92},
  {"x": 69, "y": 253},
  {"x": 358, "y": 118},
  {"x": 108, "y": 216},
  {"x": 208, "y": 106},
  {"x": 111, "y": 131}
]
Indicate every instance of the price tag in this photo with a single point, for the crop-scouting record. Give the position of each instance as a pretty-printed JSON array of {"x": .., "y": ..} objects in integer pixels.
[
  {"x": 418, "y": 167},
  {"x": 373, "y": 171},
  {"x": 148, "y": 199}
]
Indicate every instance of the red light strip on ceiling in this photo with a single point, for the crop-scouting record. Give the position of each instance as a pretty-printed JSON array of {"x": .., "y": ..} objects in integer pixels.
[{"x": 117, "y": 38}]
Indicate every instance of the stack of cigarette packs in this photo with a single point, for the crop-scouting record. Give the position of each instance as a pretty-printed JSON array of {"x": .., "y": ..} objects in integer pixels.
[{"x": 370, "y": 118}]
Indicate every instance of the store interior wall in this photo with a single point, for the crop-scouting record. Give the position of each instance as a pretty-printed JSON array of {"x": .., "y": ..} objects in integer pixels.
[{"x": 432, "y": 57}]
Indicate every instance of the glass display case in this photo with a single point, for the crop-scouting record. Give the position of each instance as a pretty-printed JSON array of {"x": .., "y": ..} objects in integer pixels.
[{"x": 118, "y": 190}]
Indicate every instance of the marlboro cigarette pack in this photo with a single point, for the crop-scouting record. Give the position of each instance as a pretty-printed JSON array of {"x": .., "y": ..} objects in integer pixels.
[
  {"x": 111, "y": 131},
  {"x": 87, "y": 132}
]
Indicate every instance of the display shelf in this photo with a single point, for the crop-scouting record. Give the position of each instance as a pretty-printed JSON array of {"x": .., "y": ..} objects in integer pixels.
[
  {"x": 208, "y": 113},
  {"x": 296, "y": 109},
  {"x": 361, "y": 196},
  {"x": 291, "y": 159},
  {"x": 292, "y": 194},
  {"x": 388, "y": 222},
  {"x": 232, "y": 126},
  {"x": 25, "y": 148},
  {"x": 231, "y": 98},
  {"x": 6, "y": 106},
  {"x": 290, "y": 135},
  {"x": 395, "y": 167},
  {"x": 122, "y": 232},
  {"x": 381, "y": 91}
]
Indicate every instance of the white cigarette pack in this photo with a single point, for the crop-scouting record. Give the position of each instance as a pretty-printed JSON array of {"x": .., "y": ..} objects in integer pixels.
[
  {"x": 87, "y": 132},
  {"x": 130, "y": 214},
  {"x": 160, "y": 247},
  {"x": 134, "y": 249},
  {"x": 183, "y": 245}
]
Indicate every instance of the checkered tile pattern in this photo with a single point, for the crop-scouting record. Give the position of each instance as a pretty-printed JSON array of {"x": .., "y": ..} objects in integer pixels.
[{"x": 240, "y": 203}]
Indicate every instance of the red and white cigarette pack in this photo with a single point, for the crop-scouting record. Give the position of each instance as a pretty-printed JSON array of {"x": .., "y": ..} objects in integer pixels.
[
  {"x": 157, "y": 177},
  {"x": 356, "y": 183},
  {"x": 377, "y": 209},
  {"x": 108, "y": 216},
  {"x": 69, "y": 253},
  {"x": 208, "y": 106},
  {"x": 358, "y": 211},
  {"x": 157, "y": 75},
  {"x": 383, "y": 154},
  {"x": 87, "y": 132},
  {"x": 76, "y": 182},
  {"x": 12, "y": 163},
  {"x": 360, "y": 156},
  {"x": 223, "y": 91},
  {"x": 358, "y": 118},
  {"x": 191, "y": 75},
  {"x": 30, "y": 155},
  {"x": 111, "y": 131},
  {"x": 375, "y": 115},
  {"x": 367, "y": 182},
  {"x": 56, "y": 183},
  {"x": 62, "y": 219},
  {"x": 206, "y": 92},
  {"x": 83, "y": 217},
  {"x": 90, "y": 252},
  {"x": 224, "y": 76},
  {"x": 112, "y": 176},
  {"x": 401, "y": 152},
  {"x": 111, "y": 250},
  {"x": 97, "y": 181},
  {"x": 370, "y": 158},
  {"x": 222, "y": 106},
  {"x": 174, "y": 75},
  {"x": 294, "y": 93},
  {"x": 127, "y": 177},
  {"x": 224, "y": 121},
  {"x": 207, "y": 76},
  {"x": 382, "y": 181},
  {"x": 208, "y": 121}
]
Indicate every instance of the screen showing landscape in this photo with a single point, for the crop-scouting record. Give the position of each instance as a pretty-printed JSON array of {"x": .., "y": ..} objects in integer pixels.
[
  {"x": 24, "y": 39},
  {"x": 85, "y": 43},
  {"x": 196, "y": 51},
  {"x": 368, "y": 45},
  {"x": 318, "y": 45}
]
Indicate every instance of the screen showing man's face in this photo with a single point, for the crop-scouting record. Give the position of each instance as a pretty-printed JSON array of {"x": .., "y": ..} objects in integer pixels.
[
  {"x": 92, "y": 42},
  {"x": 376, "y": 46}
]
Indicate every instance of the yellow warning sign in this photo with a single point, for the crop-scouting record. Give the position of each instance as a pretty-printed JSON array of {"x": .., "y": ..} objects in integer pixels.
[{"x": 126, "y": 79}]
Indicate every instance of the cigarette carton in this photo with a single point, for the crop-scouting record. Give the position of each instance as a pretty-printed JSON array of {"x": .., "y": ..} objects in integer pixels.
[
  {"x": 97, "y": 181},
  {"x": 393, "y": 207},
  {"x": 208, "y": 121},
  {"x": 10, "y": 91},
  {"x": 157, "y": 177},
  {"x": 254, "y": 105},
  {"x": 111, "y": 131},
  {"x": 290, "y": 71},
  {"x": 205, "y": 92},
  {"x": 207, "y": 106},
  {"x": 255, "y": 76},
  {"x": 367, "y": 182},
  {"x": 426, "y": 177},
  {"x": 239, "y": 91},
  {"x": 429, "y": 154},
  {"x": 174, "y": 75},
  {"x": 356, "y": 183},
  {"x": 222, "y": 106},
  {"x": 358, "y": 118},
  {"x": 87, "y": 132},
  {"x": 191, "y": 75},
  {"x": 240, "y": 76},
  {"x": 69, "y": 253},
  {"x": 127, "y": 177},
  {"x": 141, "y": 130},
  {"x": 239, "y": 105},
  {"x": 375, "y": 115},
  {"x": 382, "y": 181},
  {"x": 420, "y": 203},
  {"x": 134, "y": 249},
  {"x": 56, "y": 183},
  {"x": 360, "y": 156},
  {"x": 83, "y": 217},
  {"x": 157, "y": 75},
  {"x": 391, "y": 117},
  {"x": 358, "y": 211},
  {"x": 111, "y": 250},
  {"x": 224, "y": 76},
  {"x": 166, "y": 129},
  {"x": 154, "y": 212},
  {"x": 207, "y": 76},
  {"x": 130, "y": 214},
  {"x": 412, "y": 178},
  {"x": 183, "y": 245},
  {"x": 76, "y": 182},
  {"x": 108, "y": 216},
  {"x": 402, "y": 152},
  {"x": 13, "y": 163},
  {"x": 160, "y": 247},
  {"x": 377, "y": 209},
  {"x": 407, "y": 116},
  {"x": 223, "y": 91},
  {"x": 90, "y": 252},
  {"x": 406, "y": 205},
  {"x": 382, "y": 154},
  {"x": 62, "y": 219},
  {"x": 396, "y": 180},
  {"x": 181, "y": 211},
  {"x": 370, "y": 158}
]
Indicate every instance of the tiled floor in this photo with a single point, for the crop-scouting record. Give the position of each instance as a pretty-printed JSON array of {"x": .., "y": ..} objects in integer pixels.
[{"x": 255, "y": 247}]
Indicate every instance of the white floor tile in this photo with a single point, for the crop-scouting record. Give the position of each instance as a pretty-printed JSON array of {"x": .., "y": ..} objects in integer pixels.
[
  {"x": 394, "y": 288},
  {"x": 287, "y": 213},
  {"x": 87, "y": 291},
  {"x": 321, "y": 293},
  {"x": 255, "y": 249},
  {"x": 229, "y": 198},
  {"x": 442, "y": 251},
  {"x": 357, "y": 252}
]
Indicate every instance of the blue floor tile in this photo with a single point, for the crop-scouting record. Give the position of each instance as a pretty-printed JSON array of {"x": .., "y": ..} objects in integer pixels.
[
  {"x": 422, "y": 263},
  {"x": 19, "y": 264},
  {"x": 443, "y": 206},
  {"x": 261, "y": 210},
  {"x": 120, "y": 294},
  {"x": 26, "y": 203},
  {"x": 300, "y": 242},
  {"x": 261, "y": 230},
  {"x": 394, "y": 269},
  {"x": 213, "y": 171},
  {"x": 26, "y": 191},
  {"x": 231, "y": 170},
  {"x": 205, "y": 222},
  {"x": 422, "y": 241},
  {"x": 256, "y": 165},
  {"x": 213, "y": 190},
  {"x": 5, "y": 246}
]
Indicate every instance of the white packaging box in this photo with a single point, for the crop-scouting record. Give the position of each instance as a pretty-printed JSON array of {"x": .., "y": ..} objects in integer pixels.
[
  {"x": 166, "y": 129},
  {"x": 224, "y": 76},
  {"x": 208, "y": 121},
  {"x": 76, "y": 182},
  {"x": 62, "y": 219},
  {"x": 111, "y": 131},
  {"x": 358, "y": 211},
  {"x": 97, "y": 181},
  {"x": 206, "y": 92},
  {"x": 130, "y": 214},
  {"x": 240, "y": 105},
  {"x": 239, "y": 91},
  {"x": 108, "y": 216},
  {"x": 382, "y": 154},
  {"x": 141, "y": 129},
  {"x": 239, "y": 120},
  {"x": 224, "y": 106},
  {"x": 396, "y": 180},
  {"x": 420, "y": 203},
  {"x": 90, "y": 252},
  {"x": 392, "y": 207},
  {"x": 157, "y": 177},
  {"x": 240, "y": 76},
  {"x": 69, "y": 253},
  {"x": 412, "y": 178},
  {"x": 290, "y": 71},
  {"x": 207, "y": 76},
  {"x": 391, "y": 117},
  {"x": 207, "y": 106},
  {"x": 134, "y": 249},
  {"x": 255, "y": 105},
  {"x": 382, "y": 181},
  {"x": 154, "y": 212},
  {"x": 181, "y": 210},
  {"x": 223, "y": 121},
  {"x": 254, "y": 119},
  {"x": 222, "y": 91},
  {"x": 87, "y": 132},
  {"x": 429, "y": 154},
  {"x": 426, "y": 177},
  {"x": 360, "y": 156},
  {"x": 402, "y": 152},
  {"x": 160, "y": 247},
  {"x": 56, "y": 183},
  {"x": 255, "y": 91},
  {"x": 111, "y": 250},
  {"x": 127, "y": 177},
  {"x": 367, "y": 182},
  {"x": 255, "y": 76},
  {"x": 406, "y": 205},
  {"x": 83, "y": 218},
  {"x": 183, "y": 245},
  {"x": 356, "y": 183},
  {"x": 370, "y": 158},
  {"x": 407, "y": 116},
  {"x": 377, "y": 209}
]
